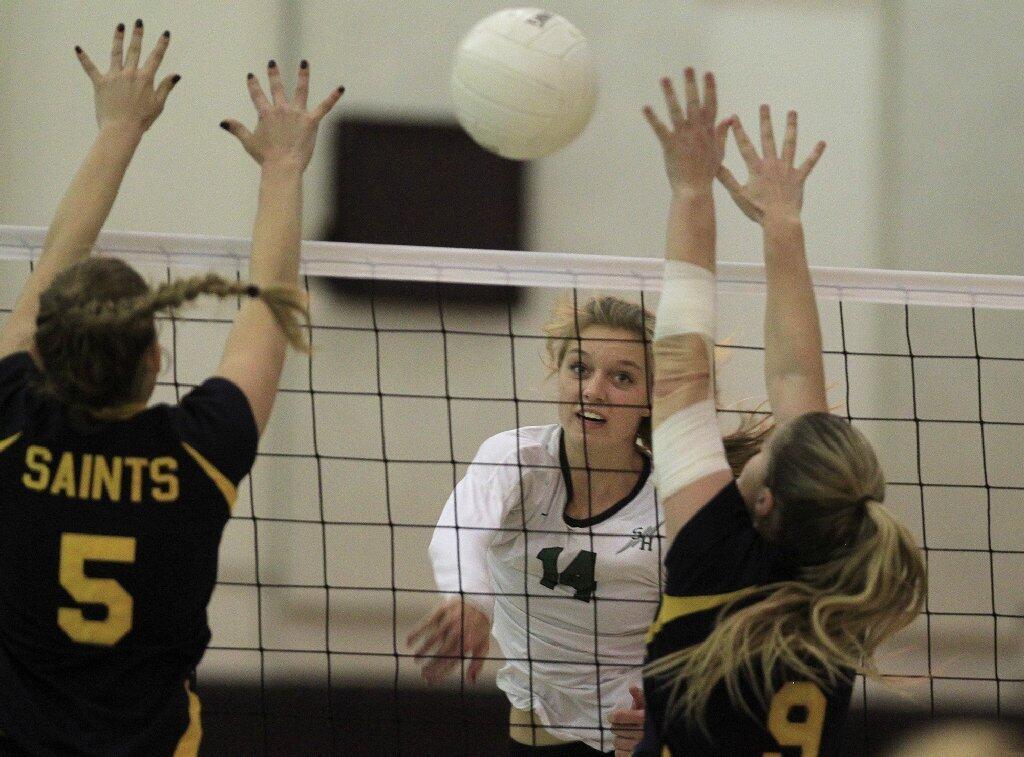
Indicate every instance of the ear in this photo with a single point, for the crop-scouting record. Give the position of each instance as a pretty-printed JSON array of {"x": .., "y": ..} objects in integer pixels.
[{"x": 764, "y": 505}]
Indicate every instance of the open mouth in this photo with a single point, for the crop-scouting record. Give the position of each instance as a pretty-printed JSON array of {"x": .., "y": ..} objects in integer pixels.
[{"x": 589, "y": 416}]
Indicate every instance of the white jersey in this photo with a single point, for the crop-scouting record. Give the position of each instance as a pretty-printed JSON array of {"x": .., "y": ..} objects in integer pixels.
[{"x": 571, "y": 599}]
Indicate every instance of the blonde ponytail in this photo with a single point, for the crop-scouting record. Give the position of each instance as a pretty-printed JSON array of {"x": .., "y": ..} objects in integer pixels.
[{"x": 826, "y": 624}]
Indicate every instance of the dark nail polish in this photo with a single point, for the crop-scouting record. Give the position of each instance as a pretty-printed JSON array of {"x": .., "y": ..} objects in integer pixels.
[
  {"x": 78, "y": 49},
  {"x": 167, "y": 34},
  {"x": 176, "y": 78},
  {"x": 272, "y": 64},
  {"x": 138, "y": 23},
  {"x": 304, "y": 64},
  {"x": 250, "y": 77},
  {"x": 224, "y": 125},
  {"x": 341, "y": 90},
  {"x": 120, "y": 27}
]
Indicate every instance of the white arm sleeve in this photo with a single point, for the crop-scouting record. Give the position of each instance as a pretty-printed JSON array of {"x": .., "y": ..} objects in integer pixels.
[{"x": 476, "y": 506}]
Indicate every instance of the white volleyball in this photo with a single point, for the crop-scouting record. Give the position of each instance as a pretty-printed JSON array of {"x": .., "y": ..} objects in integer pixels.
[{"x": 524, "y": 83}]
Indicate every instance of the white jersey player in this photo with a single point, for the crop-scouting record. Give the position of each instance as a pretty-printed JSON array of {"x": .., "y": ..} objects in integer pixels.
[{"x": 552, "y": 541}]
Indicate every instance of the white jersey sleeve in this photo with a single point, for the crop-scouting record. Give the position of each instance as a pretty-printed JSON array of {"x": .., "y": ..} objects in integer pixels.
[{"x": 470, "y": 519}]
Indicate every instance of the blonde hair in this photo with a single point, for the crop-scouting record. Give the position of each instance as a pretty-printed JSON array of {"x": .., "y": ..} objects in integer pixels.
[
  {"x": 570, "y": 320},
  {"x": 96, "y": 321},
  {"x": 861, "y": 578}
]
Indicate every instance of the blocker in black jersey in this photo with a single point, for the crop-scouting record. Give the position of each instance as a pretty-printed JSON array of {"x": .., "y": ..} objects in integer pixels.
[
  {"x": 715, "y": 555},
  {"x": 108, "y": 556}
]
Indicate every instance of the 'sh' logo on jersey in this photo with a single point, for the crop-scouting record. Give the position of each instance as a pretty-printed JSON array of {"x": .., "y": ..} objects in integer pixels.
[{"x": 644, "y": 537}]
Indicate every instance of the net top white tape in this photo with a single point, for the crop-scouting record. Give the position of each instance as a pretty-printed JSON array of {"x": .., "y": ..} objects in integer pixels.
[{"x": 541, "y": 269}]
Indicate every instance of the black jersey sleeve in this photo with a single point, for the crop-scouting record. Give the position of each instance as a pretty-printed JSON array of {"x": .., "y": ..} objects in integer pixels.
[
  {"x": 16, "y": 372},
  {"x": 718, "y": 550},
  {"x": 216, "y": 419}
]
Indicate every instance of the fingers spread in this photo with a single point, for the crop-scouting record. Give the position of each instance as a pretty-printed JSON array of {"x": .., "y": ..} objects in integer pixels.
[
  {"x": 812, "y": 159},
  {"x": 259, "y": 99},
  {"x": 692, "y": 96},
  {"x": 721, "y": 134},
  {"x": 90, "y": 68},
  {"x": 328, "y": 103},
  {"x": 277, "y": 93},
  {"x": 711, "y": 95},
  {"x": 156, "y": 57},
  {"x": 117, "y": 49},
  {"x": 473, "y": 672},
  {"x": 675, "y": 112},
  {"x": 789, "y": 142},
  {"x": 656, "y": 124},
  {"x": 746, "y": 147},
  {"x": 131, "y": 60},
  {"x": 302, "y": 86},
  {"x": 165, "y": 88},
  {"x": 768, "y": 149}
]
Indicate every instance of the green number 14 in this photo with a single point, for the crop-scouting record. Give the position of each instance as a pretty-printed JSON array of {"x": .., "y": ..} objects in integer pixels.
[{"x": 578, "y": 575}]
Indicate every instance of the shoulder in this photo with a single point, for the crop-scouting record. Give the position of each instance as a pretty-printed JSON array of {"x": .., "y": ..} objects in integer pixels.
[
  {"x": 18, "y": 372},
  {"x": 719, "y": 550},
  {"x": 16, "y": 369},
  {"x": 216, "y": 420},
  {"x": 528, "y": 444}
]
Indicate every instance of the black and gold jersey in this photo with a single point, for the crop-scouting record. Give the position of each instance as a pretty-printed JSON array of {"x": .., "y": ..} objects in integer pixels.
[
  {"x": 109, "y": 533},
  {"x": 715, "y": 556}
]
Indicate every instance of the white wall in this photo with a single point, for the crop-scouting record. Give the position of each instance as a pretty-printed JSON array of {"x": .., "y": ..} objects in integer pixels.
[{"x": 922, "y": 171}]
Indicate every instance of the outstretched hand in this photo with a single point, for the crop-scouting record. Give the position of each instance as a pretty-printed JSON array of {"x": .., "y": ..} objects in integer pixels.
[
  {"x": 285, "y": 129},
  {"x": 773, "y": 182},
  {"x": 694, "y": 146},
  {"x": 125, "y": 94}
]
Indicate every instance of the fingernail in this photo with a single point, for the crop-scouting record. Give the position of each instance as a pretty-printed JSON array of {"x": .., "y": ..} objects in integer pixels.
[
  {"x": 272, "y": 64},
  {"x": 78, "y": 49},
  {"x": 167, "y": 33},
  {"x": 138, "y": 23},
  {"x": 341, "y": 90},
  {"x": 304, "y": 64},
  {"x": 120, "y": 27},
  {"x": 250, "y": 76},
  {"x": 224, "y": 125},
  {"x": 175, "y": 79}
]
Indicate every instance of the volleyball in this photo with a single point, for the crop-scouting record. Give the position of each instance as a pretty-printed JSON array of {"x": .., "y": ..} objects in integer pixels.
[{"x": 524, "y": 83}]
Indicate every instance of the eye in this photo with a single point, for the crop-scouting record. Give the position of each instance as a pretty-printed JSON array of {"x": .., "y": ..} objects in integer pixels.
[
  {"x": 625, "y": 378},
  {"x": 577, "y": 368}
]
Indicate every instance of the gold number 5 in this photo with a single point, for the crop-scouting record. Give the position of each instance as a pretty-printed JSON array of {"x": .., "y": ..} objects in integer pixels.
[
  {"x": 805, "y": 733},
  {"x": 75, "y": 550}
]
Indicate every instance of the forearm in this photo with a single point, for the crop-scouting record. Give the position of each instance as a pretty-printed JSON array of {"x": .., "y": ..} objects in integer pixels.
[
  {"x": 85, "y": 206},
  {"x": 276, "y": 236},
  {"x": 794, "y": 373},
  {"x": 691, "y": 227}
]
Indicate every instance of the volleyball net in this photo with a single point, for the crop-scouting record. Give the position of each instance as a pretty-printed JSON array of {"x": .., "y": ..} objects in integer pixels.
[{"x": 324, "y": 567}]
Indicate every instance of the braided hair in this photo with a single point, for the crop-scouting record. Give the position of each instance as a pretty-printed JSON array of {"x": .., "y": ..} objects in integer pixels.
[{"x": 97, "y": 319}]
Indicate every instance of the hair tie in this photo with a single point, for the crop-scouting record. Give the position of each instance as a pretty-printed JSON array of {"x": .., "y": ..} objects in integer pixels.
[{"x": 252, "y": 290}]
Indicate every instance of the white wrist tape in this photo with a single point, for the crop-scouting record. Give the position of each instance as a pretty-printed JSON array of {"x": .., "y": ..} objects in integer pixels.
[
  {"x": 687, "y": 446},
  {"x": 687, "y": 304}
]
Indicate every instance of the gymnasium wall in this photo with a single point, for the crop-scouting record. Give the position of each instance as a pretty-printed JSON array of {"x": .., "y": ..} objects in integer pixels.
[{"x": 918, "y": 100}]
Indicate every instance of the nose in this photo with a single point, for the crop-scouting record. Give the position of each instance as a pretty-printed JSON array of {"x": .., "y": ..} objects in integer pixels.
[{"x": 594, "y": 388}]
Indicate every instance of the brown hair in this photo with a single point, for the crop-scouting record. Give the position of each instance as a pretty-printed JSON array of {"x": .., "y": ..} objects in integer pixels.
[
  {"x": 96, "y": 321},
  {"x": 861, "y": 576},
  {"x": 569, "y": 322}
]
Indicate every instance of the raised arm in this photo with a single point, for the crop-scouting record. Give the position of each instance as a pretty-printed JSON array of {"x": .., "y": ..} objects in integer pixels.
[
  {"x": 689, "y": 456},
  {"x": 773, "y": 197},
  {"x": 282, "y": 144},
  {"x": 127, "y": 104}
]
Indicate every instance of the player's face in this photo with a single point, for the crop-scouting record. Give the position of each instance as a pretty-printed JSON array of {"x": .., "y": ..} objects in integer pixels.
[{"x": 602, "y": 388}]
